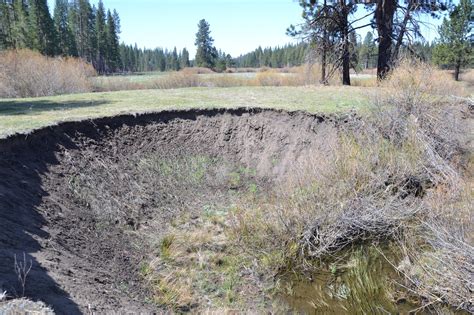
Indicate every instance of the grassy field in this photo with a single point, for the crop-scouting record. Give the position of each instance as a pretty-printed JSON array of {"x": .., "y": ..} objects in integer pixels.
[{"x": 23, "y": 115}]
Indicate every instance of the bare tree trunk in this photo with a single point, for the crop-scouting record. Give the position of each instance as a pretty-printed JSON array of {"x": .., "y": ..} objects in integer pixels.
[
  {"x": 323, "y": 58},
  {"x": 346, "y": 61},
  {"x": 403, "y": 29},
  {"x": 457, "y": 69},
  {"x": 384, "y": 13}
]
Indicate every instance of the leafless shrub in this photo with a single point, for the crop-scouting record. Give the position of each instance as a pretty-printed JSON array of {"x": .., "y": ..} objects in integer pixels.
[
  {"x": 22, "y": 269},
  {"x": 3, "y": 296},
  {"x": 25, "y": 73},
  {"x": 439, "y": 256},
  {"x": 422, "y": 114}
]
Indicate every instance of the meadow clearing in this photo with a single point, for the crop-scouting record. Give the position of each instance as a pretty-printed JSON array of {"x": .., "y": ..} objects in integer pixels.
[{"x": 250, "y": 191}]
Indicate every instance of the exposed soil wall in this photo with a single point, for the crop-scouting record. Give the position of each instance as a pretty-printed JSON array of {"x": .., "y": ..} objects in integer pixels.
[{"x": 78, "y": 265}]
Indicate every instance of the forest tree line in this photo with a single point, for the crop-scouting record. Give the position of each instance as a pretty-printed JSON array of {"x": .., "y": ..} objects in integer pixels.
[
  {"x": 363, "y": 54},
  {"x": 76, "y": 29},
  {"x": 328, "y": 36}
]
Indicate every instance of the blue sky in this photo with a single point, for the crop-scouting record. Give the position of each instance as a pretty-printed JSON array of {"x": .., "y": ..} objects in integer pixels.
[{"x": 237, "y": 26}]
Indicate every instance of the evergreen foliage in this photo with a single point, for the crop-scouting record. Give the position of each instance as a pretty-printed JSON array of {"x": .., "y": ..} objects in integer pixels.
[
  {"x": 42, "y": 31},
  {"x": 101, "y": 29},
  {"x": 206, "y": 53},
  {"x": 19, "y": 28},
  {"x": 66, "y": 41},
  {"x": 455, "y": 46},
  {"x": 77, "y": 29},
  {"x": 287, "y": 56},
  {"x": 134, "y": 59},
  {"x": 112, "y": 44},
  {"x": 368, "y": 52},
  {"x": 184, "y": 59}
]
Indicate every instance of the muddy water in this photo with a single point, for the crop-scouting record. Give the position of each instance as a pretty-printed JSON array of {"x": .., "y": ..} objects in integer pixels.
[{"x": 364, "y": 282}]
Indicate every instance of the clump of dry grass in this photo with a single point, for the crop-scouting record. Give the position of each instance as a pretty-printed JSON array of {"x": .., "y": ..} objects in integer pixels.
[
  {"x": 177, "y": 80},
  {"x": 364, "y": 81},
  {"x": 422, "y": 79},
  {"x": 197, "y": 70},
  {"x": 197, "y": 267},
  {"x": 468, "y": 77},
  {"x": 25, "y": 73},
  {"x": 228, "y": 81},
  {"x": 117, "y": 83}
]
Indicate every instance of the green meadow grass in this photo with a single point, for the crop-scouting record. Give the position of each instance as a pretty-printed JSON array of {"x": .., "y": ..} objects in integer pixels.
[{"x": 24, "y": 115}]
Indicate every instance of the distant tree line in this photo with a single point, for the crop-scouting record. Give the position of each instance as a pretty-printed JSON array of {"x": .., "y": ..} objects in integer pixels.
[
  {"x": 136, "y": 59},
  {"x": 365, "y": 52},
  {"x": 76, "y": 29},
  {"x": 286, "y": 56},
  {"x": 328, "y": 33}
]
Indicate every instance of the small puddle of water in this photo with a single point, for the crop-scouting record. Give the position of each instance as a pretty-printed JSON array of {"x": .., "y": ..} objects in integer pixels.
[{"x": 361, "y": 283}]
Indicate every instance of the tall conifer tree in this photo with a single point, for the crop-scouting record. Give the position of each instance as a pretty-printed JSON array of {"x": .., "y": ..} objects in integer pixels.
[
  {"x": 66, "y": 41},
  {"x": 206, "y": 54},
  {"x": 19, "y": 25},
  {"x": 101, "y": 38},
  {"x": 113, "y": 53},
  {"x": 42, "y": 32}
]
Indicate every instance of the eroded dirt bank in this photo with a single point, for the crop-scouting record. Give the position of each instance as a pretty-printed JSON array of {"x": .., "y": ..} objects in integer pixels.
[{"x": 80, "y": 263}]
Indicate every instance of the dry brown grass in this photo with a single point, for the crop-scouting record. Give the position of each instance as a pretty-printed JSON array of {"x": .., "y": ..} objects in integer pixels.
[
  {"x": 197, "y": 77},
  {"x": 468, "y": 77},
  {"x": 197, "y": 70},
  {"x": 364, "y": 81},
  {"x": 25, "y": 73},
  {"x": 423, "y": 79},
  {"x": 177, "y": 80}
]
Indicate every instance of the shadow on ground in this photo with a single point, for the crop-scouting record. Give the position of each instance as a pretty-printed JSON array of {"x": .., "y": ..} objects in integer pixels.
[
  {"x": 21, "y": 225},
  {"x": 20, "y": 107}
]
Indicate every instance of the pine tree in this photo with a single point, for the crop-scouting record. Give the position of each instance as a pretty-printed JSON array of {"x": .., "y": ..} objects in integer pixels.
[
  {"x": 229, "y": 61},
  {"x": 113, "y": 54},
  {"x": 368, "y": 50},
  {"x": 42, "y": 31},
  {"x": 174, "y": 60},
  {"x": 206, "y": 54},
  {"x": 354, "y": 51},
  {"x": 221, "y": 64},
  {"x": 6, "y": 17},
  {"x": 66, "y": 41},
  {"x": 19, "y": 26},
  {"x": 82, "y": 23},
  {"x": 184, "y": 61},
  {"x": 455, "y": 47},
  {"x": 118, "y": 25},
  {"x": 101, "y": 39}
]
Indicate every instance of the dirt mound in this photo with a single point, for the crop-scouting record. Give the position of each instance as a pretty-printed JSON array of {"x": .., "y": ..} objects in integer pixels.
[{"x": 80, "y": 198}]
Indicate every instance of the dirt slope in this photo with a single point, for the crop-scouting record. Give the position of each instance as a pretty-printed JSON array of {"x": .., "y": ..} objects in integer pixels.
[{"x": 79, "y": 265}]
